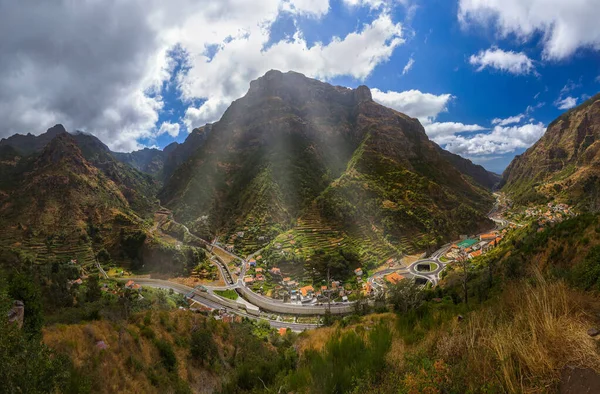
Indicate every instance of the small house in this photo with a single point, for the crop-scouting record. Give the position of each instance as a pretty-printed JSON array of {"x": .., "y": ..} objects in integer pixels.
[
  {"x": 358, "y": 272},
  {"x": 393, "y": 278}
]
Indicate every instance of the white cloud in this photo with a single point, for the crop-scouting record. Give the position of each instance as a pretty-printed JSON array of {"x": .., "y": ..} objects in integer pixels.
[
  {"x": 501, "y": 140},
  {"x": 408, "y": 66},
  {"x": 509, "y": 120},
  {"x": 374, "y": 4},
  {"x": 227, "y": 75},
  {"x": 597, "y": 78},
  {"x": 106, "y": 79},
  {"x": 316, "y": 8},
  {"x": 168, "y": 128},
  {"x": 570, "y": 86},
  {"x": 566, "y": 103},
  {"x": 424, "y": 106},
  {"x": 445, "y": 132},
  {"x": 565, "y": 26},
  {"x": 513, "y": 62}
]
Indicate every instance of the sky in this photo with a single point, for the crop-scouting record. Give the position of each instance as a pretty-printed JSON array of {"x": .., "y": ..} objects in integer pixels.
[{"x": 484, "y": 77}]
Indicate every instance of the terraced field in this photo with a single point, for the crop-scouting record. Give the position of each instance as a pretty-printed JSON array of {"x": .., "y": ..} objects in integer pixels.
[
  {"x": 313, "y": 234},
  {"x": 45, "y": 251}
]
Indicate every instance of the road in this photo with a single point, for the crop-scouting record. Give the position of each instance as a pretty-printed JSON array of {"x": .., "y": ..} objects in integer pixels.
[
  {"x": 268, "y": 304},
  {"x": 196, "y": 296}
]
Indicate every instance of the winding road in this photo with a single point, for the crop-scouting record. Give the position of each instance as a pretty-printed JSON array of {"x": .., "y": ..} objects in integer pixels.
[{"x": 211, "y": 300}]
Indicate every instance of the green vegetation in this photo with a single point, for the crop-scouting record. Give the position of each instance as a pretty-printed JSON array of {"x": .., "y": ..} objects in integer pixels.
[{"x": 230, "y": 294}]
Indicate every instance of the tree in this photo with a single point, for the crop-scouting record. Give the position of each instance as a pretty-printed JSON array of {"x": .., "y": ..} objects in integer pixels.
[
  {"x": 93, "y": 292},
  {"x": 464, "y": 263},
  {"x": 406, "y": 295},
  {"x": 202, "y": 346},
  {"x": 26, "y": 365},
  {"x": 23, "y": 288}
]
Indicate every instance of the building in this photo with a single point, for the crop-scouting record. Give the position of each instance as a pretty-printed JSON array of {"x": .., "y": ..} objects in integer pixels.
[
  {"x": 260, "y": 277},
  {"x": 248, "y": 280},
  {"x": 393, "y": 278},
  {"x": 307, "y": 291},
  {"x": 258, "y": 269},
  {"x": 358, "y": 272},
  {"x": 487, "y": 237},
  {"x": 474, "y": 254},
  {"x": 467, "y": 243},
  {"x": 275, "y": 271}
]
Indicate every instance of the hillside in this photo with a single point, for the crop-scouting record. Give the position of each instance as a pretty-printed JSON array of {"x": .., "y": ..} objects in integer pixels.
[
  {"x": 138, "y": 188},
  {"x": 56, "y": 203},
  {"x": 564, "y": 164},
  {"x": 179, "y": 153},
  {"x": 298, "y": 152},
  {"x": 71, "y": 199},
  {"x": 148, "y": 160}
]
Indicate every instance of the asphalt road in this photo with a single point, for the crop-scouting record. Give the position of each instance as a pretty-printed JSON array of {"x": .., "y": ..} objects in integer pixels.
[{"x": 186, "y": 290}]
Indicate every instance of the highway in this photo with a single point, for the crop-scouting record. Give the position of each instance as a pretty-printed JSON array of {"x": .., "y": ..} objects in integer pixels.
[
  {"x": 204, "y": 299},
  {"x": 276, "y": 306}
]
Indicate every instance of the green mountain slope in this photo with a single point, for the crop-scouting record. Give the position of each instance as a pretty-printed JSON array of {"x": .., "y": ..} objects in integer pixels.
[
  {"x": 294, "y": 145},
  {"x": 56, "y": 204},
  {"x": 564, "y": 164}
]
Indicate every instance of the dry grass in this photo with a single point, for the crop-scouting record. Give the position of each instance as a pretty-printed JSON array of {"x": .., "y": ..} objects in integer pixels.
[
  {"x": 316, "y": 339},
  {"x": 113, "y": 368},
  {"x": 526, "y": 338}
]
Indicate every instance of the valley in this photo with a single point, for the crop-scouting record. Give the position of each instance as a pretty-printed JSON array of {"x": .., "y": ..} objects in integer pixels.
[{"x": 309, "y": 218}]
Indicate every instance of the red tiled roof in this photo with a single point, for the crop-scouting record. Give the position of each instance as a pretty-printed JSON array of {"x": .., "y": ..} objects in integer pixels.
[{"x": 394, "y": 277}]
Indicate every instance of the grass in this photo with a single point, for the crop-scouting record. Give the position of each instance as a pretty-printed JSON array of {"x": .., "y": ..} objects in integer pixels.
[
  {"x": 229, "y": 294},
  {"x": 519, "y": 343}
]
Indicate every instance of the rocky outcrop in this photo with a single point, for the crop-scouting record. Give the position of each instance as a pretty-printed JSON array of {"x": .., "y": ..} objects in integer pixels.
[
  {"x": 564, "y": 164},
  {"x": 17, "y": 314}
]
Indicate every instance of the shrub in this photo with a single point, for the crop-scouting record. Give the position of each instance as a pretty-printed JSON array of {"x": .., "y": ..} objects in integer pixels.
[{"x": 167, "y": 355}]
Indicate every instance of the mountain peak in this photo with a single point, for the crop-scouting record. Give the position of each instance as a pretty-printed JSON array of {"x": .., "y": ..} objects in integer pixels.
[
  {"x": 56, "y": 130},
  {"x": 362, "y": 93}
]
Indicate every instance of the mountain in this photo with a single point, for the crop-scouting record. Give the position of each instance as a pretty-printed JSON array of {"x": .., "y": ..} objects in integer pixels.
[
  {"x": 297, "y": 153},
  {"x": 28, "y": 144},
  {"x": 137, "y": 187},
  {"x": 179, "y": 153},
  {"x": 56, "y": 203},
  {"x": 564, "y": 164},
  {"x": 477, "y": 173},
  {"x": 162, "y": 163},
  {"x": 65, "y": 196},
  {"x": 148, "y": 160}
]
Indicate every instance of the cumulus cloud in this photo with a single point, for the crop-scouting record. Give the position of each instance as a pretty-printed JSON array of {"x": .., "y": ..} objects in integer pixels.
[
  {"x": 374, "y": 4},
  {"x": 565, "y": 26},
  {"x": 509, "y": 120},
  {"x": 408, "y": 66},
  {"x": 445, "y": 132},
  {"x": 100, "y": 66},
  {"x": 501, "y": 140},
  {"x": 311, "y": 7},
  {"x": 226, "y": 76},
  {"x": 516, "y": 63},
  {"x": 414, "y": 103},
  {"x": 168, "y": 128},
  {"x": 566, "y": 103}
]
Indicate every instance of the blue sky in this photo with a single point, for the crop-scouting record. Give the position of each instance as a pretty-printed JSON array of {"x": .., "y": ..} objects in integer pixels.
[{"x": 484, "y": 77}]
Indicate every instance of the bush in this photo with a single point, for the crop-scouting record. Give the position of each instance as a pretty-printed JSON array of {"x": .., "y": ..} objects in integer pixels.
[
  {"x": 203, "y": 347},
  {"x": 167, "y": 355}
]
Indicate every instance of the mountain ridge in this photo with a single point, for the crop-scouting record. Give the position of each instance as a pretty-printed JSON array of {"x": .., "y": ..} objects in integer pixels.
[
  {"x": 564, "y": 164},
  {"x": 279, "y": 147}
]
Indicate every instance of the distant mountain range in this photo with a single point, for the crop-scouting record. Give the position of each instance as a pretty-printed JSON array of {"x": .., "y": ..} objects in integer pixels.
[{"x": 295, "y": 159}]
